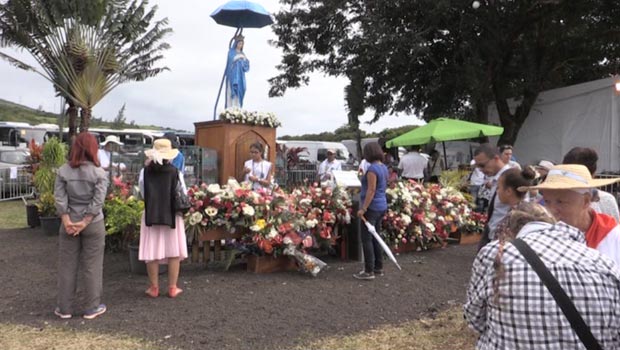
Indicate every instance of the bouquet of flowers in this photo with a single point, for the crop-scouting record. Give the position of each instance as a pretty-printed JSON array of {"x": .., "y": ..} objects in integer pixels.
[
  {"x": 240, "y": 116},
  {"x": 123, "y": 213},
  {"x": 268, "y": 217},
  {"x": 306, "y": 262},
  {"x": 322, "y": 208},
  {"x": 423, "y": 214}
]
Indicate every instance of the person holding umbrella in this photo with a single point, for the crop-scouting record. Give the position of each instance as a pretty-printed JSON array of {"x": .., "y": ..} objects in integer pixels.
[{"x": 372, "y": 208}]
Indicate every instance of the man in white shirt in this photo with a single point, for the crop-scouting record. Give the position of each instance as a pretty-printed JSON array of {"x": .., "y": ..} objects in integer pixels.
[
  {"x": 412, "y": 165},
  {"x": 506, "y": 155},
  {"x": 329, "y": 165},
  {"x": 105, "y": 154},
  {"x": 488, "y": 159}
]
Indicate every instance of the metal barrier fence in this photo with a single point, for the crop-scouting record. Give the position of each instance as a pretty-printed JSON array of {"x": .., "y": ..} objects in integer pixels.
[
  {"x": 614, "y": 188},
  {"x": 301, "y": 173},
  {"x": 200, "y": 165},
  {"x": 297, "y": 175},
  {"x": 15, "y": 183}
]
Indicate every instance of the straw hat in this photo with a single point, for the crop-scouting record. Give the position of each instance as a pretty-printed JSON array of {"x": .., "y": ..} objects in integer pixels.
[
  {"x": 162, "y": 149},
  {"x": 113, "y": 139},
  {"x": 569, "y": 177}
]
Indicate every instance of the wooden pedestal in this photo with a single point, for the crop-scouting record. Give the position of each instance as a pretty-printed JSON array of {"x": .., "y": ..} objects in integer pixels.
[
  {"x": 212, "y": 238},
  {"x": 232, "y": 143},
  {"x": 268, "y": 264}
]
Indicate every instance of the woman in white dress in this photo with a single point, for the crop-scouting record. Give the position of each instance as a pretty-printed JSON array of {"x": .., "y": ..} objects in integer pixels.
[{"x": 257, "y": 170}]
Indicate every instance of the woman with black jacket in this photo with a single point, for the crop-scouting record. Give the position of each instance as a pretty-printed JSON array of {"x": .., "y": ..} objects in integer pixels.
[{"x": 162, "y": 232}]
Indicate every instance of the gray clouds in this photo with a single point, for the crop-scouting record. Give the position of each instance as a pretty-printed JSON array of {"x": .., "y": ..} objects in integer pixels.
[{"x": 187, "y": 93}]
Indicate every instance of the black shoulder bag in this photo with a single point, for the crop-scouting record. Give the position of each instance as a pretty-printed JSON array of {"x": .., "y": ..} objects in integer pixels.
[{"x": 561, "y": 298}]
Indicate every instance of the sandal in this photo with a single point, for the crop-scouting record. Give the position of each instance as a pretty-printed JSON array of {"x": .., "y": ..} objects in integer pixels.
[
  {"x": 152, "y": 292},
  {"x": 173, "y": 291}
]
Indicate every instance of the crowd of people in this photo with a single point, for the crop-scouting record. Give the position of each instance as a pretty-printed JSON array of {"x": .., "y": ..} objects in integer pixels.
[{"x": 546, "y": 275}]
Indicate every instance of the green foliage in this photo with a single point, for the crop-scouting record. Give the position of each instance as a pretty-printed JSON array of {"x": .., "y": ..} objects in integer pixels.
[
  {"x": 85, "y": 48},
  {"x": 123, "y": 218},
  {"x": 46, "y": 204},
  {"x": 13, "y": 112},
  {"x": 347, "y": 132},
  {"x": 120, "y": 121},
  {"x": 44, "y": 180},
  {"x": 455, "y": 179},
  {"x": 444, "y": 58},
  {"x": 54, "y": 153}
]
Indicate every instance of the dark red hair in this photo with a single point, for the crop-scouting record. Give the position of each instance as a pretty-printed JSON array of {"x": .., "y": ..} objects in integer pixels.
[{"x": 84, "y": 149}]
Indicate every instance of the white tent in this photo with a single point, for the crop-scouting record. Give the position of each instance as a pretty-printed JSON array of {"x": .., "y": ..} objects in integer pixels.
[{"x": 583, "y": 115}]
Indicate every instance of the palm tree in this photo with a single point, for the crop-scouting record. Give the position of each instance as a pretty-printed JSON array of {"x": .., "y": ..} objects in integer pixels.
[{"x": 83, "y": 51}]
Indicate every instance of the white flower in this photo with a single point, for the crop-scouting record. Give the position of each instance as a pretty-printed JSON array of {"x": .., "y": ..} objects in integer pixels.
[
  {"x": 214, "y": 188},
  {"x": 311, "y": 223},
  {"x": 430, "y": 227},
  {"x": 248, "y": 210},
  {"x": 305, "y": 202},
  {"x": 255, "y": 228},
  {"x": 406, "y": 219},
  {"x": 195, "y": 218},
  {"x": 272, "y": 234},
  {"x": 211, "y": 211}
]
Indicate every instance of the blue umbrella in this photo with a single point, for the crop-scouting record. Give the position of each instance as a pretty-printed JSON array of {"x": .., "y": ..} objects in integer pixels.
[{"x": 242, "y": 14}]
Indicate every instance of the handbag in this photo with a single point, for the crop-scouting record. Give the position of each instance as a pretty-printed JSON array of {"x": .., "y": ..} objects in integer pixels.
[
  {"x": 181, "y": 200},
  {"x": 561, "y": 298}
]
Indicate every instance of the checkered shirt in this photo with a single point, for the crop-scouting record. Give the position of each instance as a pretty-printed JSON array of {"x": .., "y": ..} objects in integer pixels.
[{"x": 525, "y": 316}]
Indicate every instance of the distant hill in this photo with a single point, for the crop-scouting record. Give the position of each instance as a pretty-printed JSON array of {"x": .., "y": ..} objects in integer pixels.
[{"x": 13, "y": 112}]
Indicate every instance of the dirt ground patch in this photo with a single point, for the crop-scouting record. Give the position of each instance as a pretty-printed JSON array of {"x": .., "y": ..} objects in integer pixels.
[{"x": 235, "y": 309}]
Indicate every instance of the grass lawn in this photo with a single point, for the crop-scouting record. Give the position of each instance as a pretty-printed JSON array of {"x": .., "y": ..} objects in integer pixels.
[
  {"x": 447, "y": 330},
  {"x": 18, "y": 337},
  {"x": 12, "y": 214}
]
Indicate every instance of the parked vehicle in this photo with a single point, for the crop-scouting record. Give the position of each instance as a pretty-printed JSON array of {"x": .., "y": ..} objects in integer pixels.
[
  {"x": 15, "y": 175},
  {"x": 16, "y": 134},
  {"x": 13, "y": 157},
  {"x": 316, "y": 151}
]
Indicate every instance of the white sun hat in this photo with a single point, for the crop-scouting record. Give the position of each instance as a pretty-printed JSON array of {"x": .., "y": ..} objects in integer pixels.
[{"x": 113, "y": 139}]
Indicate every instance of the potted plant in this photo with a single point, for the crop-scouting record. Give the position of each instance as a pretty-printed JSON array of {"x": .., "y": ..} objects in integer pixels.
[
  {"x": 53, "y": 155},
  {"x": 123, "y": 216},
  {"x": 34, "y": 158}
]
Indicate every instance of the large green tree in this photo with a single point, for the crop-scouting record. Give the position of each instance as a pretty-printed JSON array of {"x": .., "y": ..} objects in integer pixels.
[
  {"x": 85, "y": 47},
  {"x": 445, "y": 57}
]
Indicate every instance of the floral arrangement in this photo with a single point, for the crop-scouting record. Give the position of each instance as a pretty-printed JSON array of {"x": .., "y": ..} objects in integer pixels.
[
  {"x": 424, "y": 215},
  {"x": 123, "y": 213},
  {"x": 240, "y": 116},
  {"x": 271, "y": 219}
]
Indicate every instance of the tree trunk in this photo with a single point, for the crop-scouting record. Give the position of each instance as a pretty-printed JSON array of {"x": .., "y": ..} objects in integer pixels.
[
  {"x": 72, "y": 113},
  {"x": 85, "y": 120},
  {"x": 512, "y": 123}
]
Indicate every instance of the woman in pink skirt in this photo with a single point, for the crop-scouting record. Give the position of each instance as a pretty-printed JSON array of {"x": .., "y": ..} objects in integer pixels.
[{"x": 162, "y": 233}]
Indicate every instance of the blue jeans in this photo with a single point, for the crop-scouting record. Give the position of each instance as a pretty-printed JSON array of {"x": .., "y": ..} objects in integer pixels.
[{"x": 373, "y": 253}]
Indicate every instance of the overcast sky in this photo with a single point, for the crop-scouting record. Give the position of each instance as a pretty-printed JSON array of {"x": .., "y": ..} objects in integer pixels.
[{"x": 187, "y": 93}]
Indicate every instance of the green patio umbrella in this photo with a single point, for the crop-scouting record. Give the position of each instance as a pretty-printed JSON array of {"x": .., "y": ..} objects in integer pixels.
[{"x": 444, "y": 129}]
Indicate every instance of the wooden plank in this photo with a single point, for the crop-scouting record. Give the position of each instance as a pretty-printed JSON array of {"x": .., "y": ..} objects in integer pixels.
[{"x": 268, "y": 264}]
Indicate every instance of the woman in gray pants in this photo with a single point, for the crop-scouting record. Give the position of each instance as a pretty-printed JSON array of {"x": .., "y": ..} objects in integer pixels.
[{"x": 80, "y": 190}]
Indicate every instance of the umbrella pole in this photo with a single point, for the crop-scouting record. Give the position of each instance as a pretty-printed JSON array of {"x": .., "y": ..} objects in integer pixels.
[
  {"x": 219, "y": 92},
  {"x": 445, "y": 157}
]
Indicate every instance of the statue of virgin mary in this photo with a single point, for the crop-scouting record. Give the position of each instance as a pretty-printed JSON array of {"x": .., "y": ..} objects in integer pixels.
[{"x": 236, "y": 66}]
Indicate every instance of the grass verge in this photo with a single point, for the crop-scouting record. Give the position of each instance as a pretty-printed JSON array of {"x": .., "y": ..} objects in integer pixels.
[
  {"x": 19, "y": 337},
  {"x": 12, "y": 214},
  {"x": 447, "y": 330}
]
